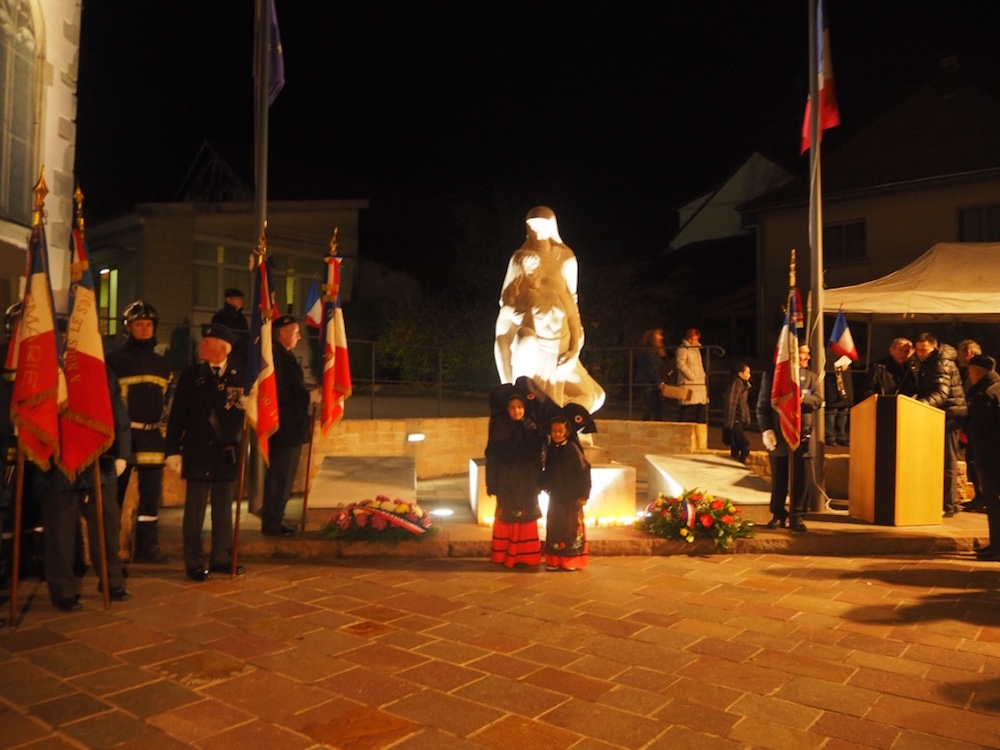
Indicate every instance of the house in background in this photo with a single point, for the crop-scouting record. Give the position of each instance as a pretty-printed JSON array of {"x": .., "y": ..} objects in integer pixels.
[
  {"x": 714, "y": 215},
  {"x": 181, "y": 257},
  {"x": 712, "y": 255},
  {"x": 39, "y": 46},
  {"x": 927, "y": 171}
]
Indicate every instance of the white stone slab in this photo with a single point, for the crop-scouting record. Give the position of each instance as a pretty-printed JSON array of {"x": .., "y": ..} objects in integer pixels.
[
  {"x": 349, "y": 479},
  {"x": 717, "y": 475}
]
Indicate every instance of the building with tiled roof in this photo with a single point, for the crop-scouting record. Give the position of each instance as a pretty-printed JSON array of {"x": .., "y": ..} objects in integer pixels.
[{"x": 927, "y": 171}]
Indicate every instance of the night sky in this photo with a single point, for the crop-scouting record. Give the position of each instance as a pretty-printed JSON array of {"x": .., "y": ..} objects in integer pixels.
[{"x": 611, "y": 113}]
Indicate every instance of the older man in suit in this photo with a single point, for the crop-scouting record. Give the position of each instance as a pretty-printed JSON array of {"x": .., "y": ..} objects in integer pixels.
[{"x": 203, "y": 438}]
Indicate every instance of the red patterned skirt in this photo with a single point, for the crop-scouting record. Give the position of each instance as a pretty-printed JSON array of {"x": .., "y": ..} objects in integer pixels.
[{"x": 516, "y": 544}]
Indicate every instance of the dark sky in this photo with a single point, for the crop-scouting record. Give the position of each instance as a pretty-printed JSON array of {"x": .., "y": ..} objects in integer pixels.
[{"x": 613, "y": 113}]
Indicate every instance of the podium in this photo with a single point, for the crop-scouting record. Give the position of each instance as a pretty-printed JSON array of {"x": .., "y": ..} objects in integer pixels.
[{"x": 897, "y": 462}]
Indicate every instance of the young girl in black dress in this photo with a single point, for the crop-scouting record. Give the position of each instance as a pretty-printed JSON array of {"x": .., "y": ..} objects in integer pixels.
[
  {"x": 566, "y": 477},
  {"x": 513, "y": 465}
]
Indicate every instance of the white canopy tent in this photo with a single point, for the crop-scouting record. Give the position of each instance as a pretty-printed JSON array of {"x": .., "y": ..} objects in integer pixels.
[{"x": 951, "y": 281}]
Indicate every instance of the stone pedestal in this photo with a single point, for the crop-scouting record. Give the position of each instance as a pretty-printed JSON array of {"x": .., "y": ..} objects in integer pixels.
[{"x": 612, "y": 495}]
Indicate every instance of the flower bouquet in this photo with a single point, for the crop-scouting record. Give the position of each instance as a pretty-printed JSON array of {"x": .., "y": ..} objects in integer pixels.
[
  {"x": 378, "y": 520},
  {"x": 695, "y": 515}
]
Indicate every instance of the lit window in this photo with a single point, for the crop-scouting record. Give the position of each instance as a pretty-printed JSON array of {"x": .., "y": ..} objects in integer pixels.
[{"x": 18, "y": 93}]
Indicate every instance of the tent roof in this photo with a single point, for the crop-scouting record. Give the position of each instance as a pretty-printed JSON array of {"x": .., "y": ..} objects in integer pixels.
[{"x": 951, "y": 280}]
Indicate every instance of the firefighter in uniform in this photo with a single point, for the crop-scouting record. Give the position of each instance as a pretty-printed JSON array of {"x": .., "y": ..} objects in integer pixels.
[{"x": 145, "y": 378}]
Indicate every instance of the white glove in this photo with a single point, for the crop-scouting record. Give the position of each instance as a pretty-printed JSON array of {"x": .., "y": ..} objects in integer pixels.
[
  {"x": 120, "y": 464},
  {"x": 174, "y": 463},
  {"x": 770, "y": 441}
]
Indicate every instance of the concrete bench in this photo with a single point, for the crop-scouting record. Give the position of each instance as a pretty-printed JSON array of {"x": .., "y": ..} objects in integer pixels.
[{"x": 341, "y": 480}]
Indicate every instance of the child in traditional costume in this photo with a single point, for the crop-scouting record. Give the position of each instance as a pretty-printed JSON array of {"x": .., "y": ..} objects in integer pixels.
[
  {"x": 513, "y": 466},
  {"x": 566, "y": 477}
]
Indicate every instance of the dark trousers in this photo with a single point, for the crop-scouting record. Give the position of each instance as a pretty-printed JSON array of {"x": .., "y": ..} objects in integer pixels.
[
  {"x": 150, "y": 490},
  {"x": 653, "y": 401},
  {"x": 989, "y": 483},
  {"x": 195, "y": 500},
  {"x": 952, "y": 444},
  {"x": 278, "y": 484},
  {"x": 60, "y": 513},
  {"x": 740, "y": 446},
  {"x": 836, "y": 426},
  {"x": 779, "y": 482},
  {"x": 693, "y": 413}
]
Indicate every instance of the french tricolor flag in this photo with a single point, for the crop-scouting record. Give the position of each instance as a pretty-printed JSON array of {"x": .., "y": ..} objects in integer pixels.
[
  {"x": 337, "y": 387},
  {"x": 829, "y": 114},
  {"x": 314, "y": 308},
  {"x": 87, "y": 425},
  {"x": 786, "y": 395},
  {"x": 841, "y": 341},
  {"x": 39, "y": 387}
]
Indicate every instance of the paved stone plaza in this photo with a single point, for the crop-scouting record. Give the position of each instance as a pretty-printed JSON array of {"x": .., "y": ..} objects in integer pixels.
[{"x": 776, "y": 651}]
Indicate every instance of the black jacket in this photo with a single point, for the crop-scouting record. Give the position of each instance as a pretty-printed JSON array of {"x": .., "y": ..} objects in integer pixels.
[
  {"x": 936, "y": 381},
  {"x": 884, "y": 378},
  {"x": 294, "y": 419},
  {"x": 767, "y": 419},
  {"x": 513, "y": 467},
  {"x": 983, "y": 424},
  {"x": 144, "y": 377},
  {"x": 209, "y": 452}
]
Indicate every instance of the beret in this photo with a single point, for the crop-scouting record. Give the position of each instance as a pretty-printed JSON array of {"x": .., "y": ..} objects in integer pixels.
[
  {"x": 217, "y": 331},
  {"x": 234, "y": 292}
]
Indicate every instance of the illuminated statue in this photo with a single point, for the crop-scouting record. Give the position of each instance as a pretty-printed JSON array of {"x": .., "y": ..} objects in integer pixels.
[{"x": 538, "y": 332}]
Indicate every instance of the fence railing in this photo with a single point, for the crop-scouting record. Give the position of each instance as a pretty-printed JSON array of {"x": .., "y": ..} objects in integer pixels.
[{"x": 419, "y": 381}]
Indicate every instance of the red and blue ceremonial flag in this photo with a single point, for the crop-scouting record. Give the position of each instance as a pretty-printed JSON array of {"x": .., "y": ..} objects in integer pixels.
[
  {"x": 87, "y": 425},
  {"x": 36, "y": 398},
  {"x": 829, "y": 114},
  {"x": 785, "y": 388},
  {"x": 841, "y": 341},
  {"x": 337, "y": 385},
  {"x": 262, "y": 403}
]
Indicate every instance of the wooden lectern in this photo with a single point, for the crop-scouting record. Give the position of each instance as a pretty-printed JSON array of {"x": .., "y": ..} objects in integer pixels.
[{"x": 897, "y": 462}]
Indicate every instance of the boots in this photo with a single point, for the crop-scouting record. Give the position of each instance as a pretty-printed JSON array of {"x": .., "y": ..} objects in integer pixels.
[{"x": 147, "y": 545}]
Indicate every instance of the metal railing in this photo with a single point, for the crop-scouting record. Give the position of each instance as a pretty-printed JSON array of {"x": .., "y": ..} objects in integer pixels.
[{"x": 420, "y": 381}]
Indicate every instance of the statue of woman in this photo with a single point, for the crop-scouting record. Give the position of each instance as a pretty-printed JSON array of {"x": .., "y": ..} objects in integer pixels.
[{"x": 539, "y": 333}]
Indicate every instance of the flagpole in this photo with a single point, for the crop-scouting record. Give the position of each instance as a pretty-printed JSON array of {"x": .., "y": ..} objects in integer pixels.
[
  {"x": 239, "y": 498},
  {"x": 816, "y": 338},
  {"x": 101, "y": 535},
  {"x": 262, "y": 37},
  {"x": 15, "y": 571},
  {"x": 309, "y": 457}
]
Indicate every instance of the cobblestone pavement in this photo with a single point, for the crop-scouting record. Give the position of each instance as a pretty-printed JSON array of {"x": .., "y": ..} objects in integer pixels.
[{"x": 720, "y": 651}]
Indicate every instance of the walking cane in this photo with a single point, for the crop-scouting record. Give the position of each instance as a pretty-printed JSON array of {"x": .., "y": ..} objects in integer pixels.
[
  {"x": 101, "y": 539},
  {"x": 309, "y": 458},
  {"x": 15, "y": 561},
  {"x": 239, "y": 498}
]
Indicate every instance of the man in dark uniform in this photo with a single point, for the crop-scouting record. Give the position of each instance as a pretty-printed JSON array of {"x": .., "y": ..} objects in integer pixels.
[
  {"x": 231, "y": 316},
  {"x": 203, "y": 438},
  {"x": 62, "y": 501},
  {"x": 778, "y": 449},
  {"x": 144, "y": 376},
  {"x": 293, "y": 430}
]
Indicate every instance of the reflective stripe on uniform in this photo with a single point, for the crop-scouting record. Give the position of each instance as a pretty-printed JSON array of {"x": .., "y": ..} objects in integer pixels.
[{"x": 149, "y": 458}]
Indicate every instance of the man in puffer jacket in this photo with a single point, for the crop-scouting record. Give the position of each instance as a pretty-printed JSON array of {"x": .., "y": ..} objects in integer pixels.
[{"x": 932, "y": 377}]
